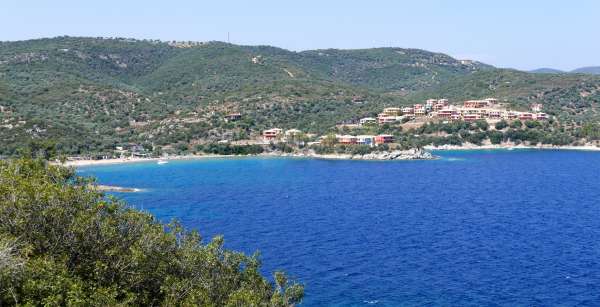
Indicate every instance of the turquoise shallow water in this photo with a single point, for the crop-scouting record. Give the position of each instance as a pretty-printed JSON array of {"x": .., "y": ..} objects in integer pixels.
[{"x": 506, "y": 228}]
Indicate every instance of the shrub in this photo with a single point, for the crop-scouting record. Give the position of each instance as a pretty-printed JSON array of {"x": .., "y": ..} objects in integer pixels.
[
  {"x": 482, "y": 125},
  {"x": 227, "y": 149},
  {"x": 496, "y": 137},
  {"x": 532, "y": 124},
  {"x": 361, "y": 150},
  {"x": 64, "y": 243},
  {"x": 501, "y": 125}
]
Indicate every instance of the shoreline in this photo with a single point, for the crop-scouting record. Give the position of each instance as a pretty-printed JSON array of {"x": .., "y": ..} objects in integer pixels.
[
  {"x": 111, "y": 188},
  {"x": 77, "y": 163},
  {"x": 383, "y": 156},
  {"x": 116, "y": 161},
  {"x": 509, "y": 147},
  {"x": 394, "y": 155}
]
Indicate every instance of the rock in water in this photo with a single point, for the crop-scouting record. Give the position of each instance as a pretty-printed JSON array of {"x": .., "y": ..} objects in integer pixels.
[{"x": 411, "y": 154}]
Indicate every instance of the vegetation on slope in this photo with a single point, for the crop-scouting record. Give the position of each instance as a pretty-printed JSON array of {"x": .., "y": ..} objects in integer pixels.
[
  {"x": 389, "y": 69},
  {"x": 593, "y": 70},
  {"x": 92, "y": 94},
  {"x": 63, "y": 243},
  {"x": 568, "y": 96}
]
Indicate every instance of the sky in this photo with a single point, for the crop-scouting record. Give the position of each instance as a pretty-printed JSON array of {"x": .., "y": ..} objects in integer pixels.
[{"x": 525, "y": 34}]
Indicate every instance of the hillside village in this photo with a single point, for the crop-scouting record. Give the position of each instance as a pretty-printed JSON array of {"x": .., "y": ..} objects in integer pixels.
[
  {"x": 433, "y": 110},
  {"x": 436, "y": 121},
  {"x": 396, "y": 129},
  {"x": 488, "y": 109}
]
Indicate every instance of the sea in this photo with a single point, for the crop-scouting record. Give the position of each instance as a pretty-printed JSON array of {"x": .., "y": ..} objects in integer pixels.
[{"x": 473, "y": 228}]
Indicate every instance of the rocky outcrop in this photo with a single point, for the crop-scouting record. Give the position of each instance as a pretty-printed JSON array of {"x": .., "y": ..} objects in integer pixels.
[
  {"x": 411, "y": 154},
  {"x": 108, "y": 188}
]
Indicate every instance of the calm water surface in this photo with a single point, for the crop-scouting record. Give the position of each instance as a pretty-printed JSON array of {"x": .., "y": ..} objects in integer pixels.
[{"x": 503, "y": 228}]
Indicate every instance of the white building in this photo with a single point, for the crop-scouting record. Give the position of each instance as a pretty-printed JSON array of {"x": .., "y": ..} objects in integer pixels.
[
  {"x": 366, "y": 140},
  {"x": 292, "y": 132},
  {"x": 367, "y": 121}
]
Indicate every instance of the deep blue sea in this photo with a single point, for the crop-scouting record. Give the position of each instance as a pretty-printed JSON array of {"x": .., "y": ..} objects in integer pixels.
[{"x": 481, "y": 228}]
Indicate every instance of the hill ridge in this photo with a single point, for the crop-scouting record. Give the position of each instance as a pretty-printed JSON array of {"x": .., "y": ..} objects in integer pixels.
[{"x": 92, "y": 93}]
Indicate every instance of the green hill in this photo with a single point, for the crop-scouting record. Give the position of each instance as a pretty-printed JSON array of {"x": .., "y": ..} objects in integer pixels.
[
  {"x": 546, "y": 70},
  {"x": 392, "y": 69},
  {"x": 591, "y": 70},
  {"x": 90, "y": 94},
  {"x": 594, "y": 70}
]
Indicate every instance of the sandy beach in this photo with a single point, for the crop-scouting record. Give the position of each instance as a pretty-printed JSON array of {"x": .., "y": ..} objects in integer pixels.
[{"x": 78, "y": 163}]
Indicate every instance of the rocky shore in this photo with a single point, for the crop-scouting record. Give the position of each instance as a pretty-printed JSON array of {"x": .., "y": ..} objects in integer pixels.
[
  {"x": 510, "y": 146},
  {"x": 411, "y": 154},
  {"x": 108, "y": 188}
]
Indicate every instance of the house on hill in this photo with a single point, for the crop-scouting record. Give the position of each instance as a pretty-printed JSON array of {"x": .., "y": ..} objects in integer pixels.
[
  {"x": 384, "y": 138},
  {"x": 367, "y": 121},
  {"x": 537, "y": 107},
  {"x": 272, "y": 134},
  {"x": 232, "y": 117}
]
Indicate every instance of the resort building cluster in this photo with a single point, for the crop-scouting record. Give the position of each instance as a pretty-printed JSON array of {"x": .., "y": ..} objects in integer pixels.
[
  {"x": 488, "y": 109},
  {"x": 470, "y": 110},
  {"x": 371, "y": 140}
]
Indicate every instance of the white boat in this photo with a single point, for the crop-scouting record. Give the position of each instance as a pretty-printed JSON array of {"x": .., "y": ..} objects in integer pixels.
[{"x": 162, "y": 162}]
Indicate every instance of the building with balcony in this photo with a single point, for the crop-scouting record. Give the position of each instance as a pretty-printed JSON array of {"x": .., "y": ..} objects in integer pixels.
[
  {"x": 384, "y": 139},
  {"x": 271, "y": 134}
]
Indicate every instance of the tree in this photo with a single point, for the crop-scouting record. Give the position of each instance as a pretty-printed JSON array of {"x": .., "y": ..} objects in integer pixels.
[
  {"x": 64, "y": 243},
  {"x": 482, "y": 125},
  {"x": 591, "y": 131},
  {"x": 37, "y": 148},
  {"x": 532, "y": 124},
  {"x": 501, "y": 125},
  {"x": 496, "y": 137},
  {"x": 329, "y": 141}
]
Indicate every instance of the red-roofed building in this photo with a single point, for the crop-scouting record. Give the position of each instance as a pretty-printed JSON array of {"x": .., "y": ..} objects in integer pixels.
[
  {"x": 471, "y": 117},
  {"x": 272, "y": 133},
  {"x": 384, "y": 138},
  {"x": 476, "y": 104},
  {"x": 347, "y": 139},
  {"x": 526, "y": 116}
]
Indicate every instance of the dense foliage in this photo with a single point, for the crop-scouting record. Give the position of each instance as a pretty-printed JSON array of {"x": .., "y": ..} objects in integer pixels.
[
  {"x": 457, "y": 133},
  {"x": 62, "y": 243},
  {"x": 226, "y": 149},
  {"x": 530, "y": 133}
]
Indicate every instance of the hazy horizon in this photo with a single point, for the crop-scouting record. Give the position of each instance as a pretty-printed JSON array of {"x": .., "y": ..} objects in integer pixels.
[{"x": 511, "y": 34}]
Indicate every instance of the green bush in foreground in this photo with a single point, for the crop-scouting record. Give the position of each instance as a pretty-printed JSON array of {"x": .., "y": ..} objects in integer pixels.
[{"x": 63, "y": 243}]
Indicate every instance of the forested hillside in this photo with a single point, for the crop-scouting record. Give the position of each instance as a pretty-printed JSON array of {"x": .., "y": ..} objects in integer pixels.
[
  {"x": 594, "y": 70},
  {"x": 91, "y": 94},
  {"x": 389, "y": 69}
]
